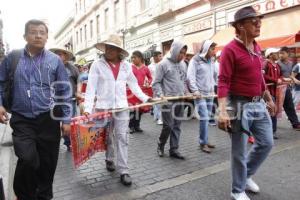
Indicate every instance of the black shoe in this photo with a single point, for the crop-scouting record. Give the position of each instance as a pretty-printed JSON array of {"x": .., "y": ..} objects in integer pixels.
[
  {"x": 177, "y": 155},
  {"x": 296, "y": 127},
  {"x": 126, "y": 179},
  {"x": 138, "y": 129},
  {"x": 131, "y": 130},
  {"x": 275, "y": 137},
  {"x": 160, "y": 150},
  {"x": 69, "y": 148},
  {"x": 110, "y": 166}
]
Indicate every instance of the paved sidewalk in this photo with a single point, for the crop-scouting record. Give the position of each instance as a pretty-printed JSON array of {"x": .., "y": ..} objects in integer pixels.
[
  {"x": 149, "y": 172},
  {"x": 7, "y": 160},
  {"x": 278, "y": 179}
]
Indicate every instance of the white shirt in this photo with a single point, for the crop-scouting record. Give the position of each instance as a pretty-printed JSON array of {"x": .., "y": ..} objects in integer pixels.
[
  {"x": 152, "y": 67},
  {"x": 110, "y": 93}
]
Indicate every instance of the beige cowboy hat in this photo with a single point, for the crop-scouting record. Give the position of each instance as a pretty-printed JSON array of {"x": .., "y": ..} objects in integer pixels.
[
  {"x": 68, "y": 53},
  {"x": 113, "y": 40}
]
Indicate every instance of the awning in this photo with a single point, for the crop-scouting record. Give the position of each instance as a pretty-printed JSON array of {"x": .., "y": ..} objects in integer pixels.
[
  {"x": 278, "y": 29},
  {"x": 194, "y": 40},
  {"x": 289, "y": 41},
  {"x": 223, "y": 37}
]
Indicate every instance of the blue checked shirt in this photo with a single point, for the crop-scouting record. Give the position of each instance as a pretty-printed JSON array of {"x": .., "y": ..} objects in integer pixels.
[{"x": 39, "y": 83}]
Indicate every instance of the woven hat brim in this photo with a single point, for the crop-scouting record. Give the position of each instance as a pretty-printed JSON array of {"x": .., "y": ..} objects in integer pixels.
[
  {"x": 68, "y": 53},
  {"x": 101, "y": 47}
]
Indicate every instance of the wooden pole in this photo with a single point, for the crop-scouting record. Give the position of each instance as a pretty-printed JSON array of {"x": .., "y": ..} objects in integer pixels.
[{"x": 156, "y": 101}]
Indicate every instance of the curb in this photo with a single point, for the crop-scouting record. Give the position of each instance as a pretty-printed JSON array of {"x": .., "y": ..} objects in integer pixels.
[
  {"x": 142, "y": 192},
  {"x": 7, "y": 161}
]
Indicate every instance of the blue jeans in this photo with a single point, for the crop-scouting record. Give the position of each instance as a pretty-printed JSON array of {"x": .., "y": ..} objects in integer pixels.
[
  {"x": 67, "y": 140},
  {"x": 157, "y": 112},
  {"x": 256, "y": 119},
  {"x": 204, "y": 108}
]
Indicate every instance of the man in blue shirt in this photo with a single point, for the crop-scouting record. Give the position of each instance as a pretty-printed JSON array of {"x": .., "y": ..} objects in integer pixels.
[{"x": 40, "y": 84}]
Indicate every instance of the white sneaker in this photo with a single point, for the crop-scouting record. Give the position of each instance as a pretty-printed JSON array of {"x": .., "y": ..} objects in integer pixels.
[
  {"x": 239, "y": 196},
  {"x": 251, "y": 186},
  {"x": 212, "y": 124},
  {"x": 159, "y": 122}
]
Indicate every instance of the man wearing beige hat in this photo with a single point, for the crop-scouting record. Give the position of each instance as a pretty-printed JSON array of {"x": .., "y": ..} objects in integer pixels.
[
  {"x": 73, "y": 74},
  {"x": 107, "y": 82}
]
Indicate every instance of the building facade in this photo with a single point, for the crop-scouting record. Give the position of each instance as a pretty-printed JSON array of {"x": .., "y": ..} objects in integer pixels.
[
  {"x": 145, "y": 24},
  {"x": 94, "y": 21},
  {"x": 64, "y": 36}
]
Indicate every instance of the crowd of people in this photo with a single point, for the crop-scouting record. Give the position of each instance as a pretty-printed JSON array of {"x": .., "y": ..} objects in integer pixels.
[{"x": 244, "y": 80}]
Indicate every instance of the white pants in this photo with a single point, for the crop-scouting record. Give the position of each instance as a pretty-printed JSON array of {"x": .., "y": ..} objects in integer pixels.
[{"x": 117, "y": 137}]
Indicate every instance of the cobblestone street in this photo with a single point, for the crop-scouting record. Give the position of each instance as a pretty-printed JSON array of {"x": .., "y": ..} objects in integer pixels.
[{"x": 151, "y": 173}]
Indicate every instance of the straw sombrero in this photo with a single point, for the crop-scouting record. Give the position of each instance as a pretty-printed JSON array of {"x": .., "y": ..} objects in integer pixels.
[
  {"x": 113, "y": 40},
  {"x": 68, "y": 53}
]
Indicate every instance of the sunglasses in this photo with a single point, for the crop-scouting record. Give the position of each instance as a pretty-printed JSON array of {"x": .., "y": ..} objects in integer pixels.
[{"x": 254, "y": 21}]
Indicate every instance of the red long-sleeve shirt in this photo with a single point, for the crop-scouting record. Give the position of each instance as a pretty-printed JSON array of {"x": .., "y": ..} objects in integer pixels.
[
  {"x": 271, "y": 75},
  {"x": 240, "y": 71},
  {"x": 141, "y": 74}
]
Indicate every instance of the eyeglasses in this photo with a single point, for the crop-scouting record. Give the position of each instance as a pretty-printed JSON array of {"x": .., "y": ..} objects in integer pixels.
[
  {"x": 254, "y": 21},
  {"x": 36, "y": 33}
]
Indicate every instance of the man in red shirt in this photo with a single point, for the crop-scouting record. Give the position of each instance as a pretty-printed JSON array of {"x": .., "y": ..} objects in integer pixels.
[
  {"x": 272, "y": 77},
  {"x": 241, "y": 82}
]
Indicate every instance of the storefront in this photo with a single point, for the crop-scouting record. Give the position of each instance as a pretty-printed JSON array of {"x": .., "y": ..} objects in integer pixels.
[{"x": 279, "y": 28}]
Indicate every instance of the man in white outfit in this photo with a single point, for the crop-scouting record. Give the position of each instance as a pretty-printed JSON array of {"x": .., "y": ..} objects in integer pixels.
[{"x": 107, "y": 81}]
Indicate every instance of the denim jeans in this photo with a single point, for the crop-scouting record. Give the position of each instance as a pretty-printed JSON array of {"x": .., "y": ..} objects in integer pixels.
[
  {"x": 204, "y": 108},
  {"x": 67, "y": 140},
  {"x": 157, "y": 112},
  {"x": 256, "y": 119}
]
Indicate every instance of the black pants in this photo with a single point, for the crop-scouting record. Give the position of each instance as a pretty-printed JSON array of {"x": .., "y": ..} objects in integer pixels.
[
  {"x": 36, "y": 144},
  {"x": 289, "y": 107},
  {"x": 135, "y": 119},
  {"x": 172, "y": 115}
]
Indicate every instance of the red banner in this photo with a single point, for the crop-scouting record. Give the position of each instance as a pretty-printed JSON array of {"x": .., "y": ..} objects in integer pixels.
[
  {"x": 133, "y": 100},
  {"x": 88, "y": 136}
]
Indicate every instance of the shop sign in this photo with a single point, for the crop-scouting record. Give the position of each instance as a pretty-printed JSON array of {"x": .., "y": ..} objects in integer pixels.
[
  {"x": 274, "y": 5},
  {"x": 166, "y": 35},
  {"x": 144, "y": 41},
  {"x": 197, "y": 26}
]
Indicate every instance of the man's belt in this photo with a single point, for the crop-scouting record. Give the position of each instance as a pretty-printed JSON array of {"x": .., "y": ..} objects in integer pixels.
[{"x": 246, "y": 98}]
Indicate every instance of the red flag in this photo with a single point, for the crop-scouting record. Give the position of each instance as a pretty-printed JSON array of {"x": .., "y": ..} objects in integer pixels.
[{"x": 88, "y": 136}]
